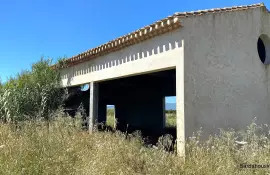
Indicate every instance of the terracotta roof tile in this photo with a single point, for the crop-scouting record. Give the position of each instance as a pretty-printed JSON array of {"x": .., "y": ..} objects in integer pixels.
[{"x": 159, "y": 27}]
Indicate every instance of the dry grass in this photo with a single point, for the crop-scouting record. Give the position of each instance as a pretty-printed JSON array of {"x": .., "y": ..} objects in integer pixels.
[{"x": 32, "y": 148}]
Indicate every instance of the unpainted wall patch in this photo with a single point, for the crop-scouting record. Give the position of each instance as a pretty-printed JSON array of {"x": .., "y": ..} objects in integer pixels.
[{"x": 263, "y": 47}]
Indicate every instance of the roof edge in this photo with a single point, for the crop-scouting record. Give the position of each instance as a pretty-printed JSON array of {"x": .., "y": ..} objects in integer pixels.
[
  {"x": 160, "y": 27},
  {"x": 157, "y": 28},
  {"x": 263, "y": 5}
]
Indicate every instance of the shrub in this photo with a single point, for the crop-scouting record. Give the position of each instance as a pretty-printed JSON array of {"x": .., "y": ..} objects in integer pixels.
[{"x": 31, "y": 94}]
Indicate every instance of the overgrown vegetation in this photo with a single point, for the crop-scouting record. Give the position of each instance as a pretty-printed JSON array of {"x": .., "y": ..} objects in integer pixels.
[
  {"x": 29, "y": 146},
  {"x": 32, "y": 94},
  {"x": 65, "y": 149}
]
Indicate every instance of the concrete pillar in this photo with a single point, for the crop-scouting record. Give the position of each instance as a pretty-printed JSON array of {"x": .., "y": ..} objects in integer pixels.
[
  {"x": 164, "y": 111},
  {"x": 93, "y": 105},
  {"x": 180, "y": 107}
]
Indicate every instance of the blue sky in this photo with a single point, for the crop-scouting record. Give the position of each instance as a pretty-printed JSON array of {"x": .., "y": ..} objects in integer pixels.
[{"x": 30, "y": 29}]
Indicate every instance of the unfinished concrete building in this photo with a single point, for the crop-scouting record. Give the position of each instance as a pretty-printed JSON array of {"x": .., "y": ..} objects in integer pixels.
[{"x": 214, "y": 61}]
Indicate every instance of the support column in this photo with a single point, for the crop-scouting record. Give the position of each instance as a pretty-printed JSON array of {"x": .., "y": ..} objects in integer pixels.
[
  {"x": 180, "y": 107},
  {"x": 93, "y": 105},
  {"x": 164, "y": 112}
]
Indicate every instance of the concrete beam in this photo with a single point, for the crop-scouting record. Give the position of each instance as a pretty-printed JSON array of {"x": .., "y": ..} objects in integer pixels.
[{"x": 93, "y": 105}]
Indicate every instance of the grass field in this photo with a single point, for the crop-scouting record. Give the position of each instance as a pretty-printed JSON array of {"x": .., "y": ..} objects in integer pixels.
[
  {"x": 33, "y": 148},
  {"x": 110, "y": 118},
  {"x": 170, "y": 120}
]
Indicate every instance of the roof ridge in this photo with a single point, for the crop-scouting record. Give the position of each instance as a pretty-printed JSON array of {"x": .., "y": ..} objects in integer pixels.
[
  {"x": 157, "y": 28},
  {"x": 217, "y": 10}
]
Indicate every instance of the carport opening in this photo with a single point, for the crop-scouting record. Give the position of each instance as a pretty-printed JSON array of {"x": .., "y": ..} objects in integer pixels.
[
  {"x": 77, "y": 102},
  {"x": 263, "y": 46},
  {"x": 139, "y": 104}
]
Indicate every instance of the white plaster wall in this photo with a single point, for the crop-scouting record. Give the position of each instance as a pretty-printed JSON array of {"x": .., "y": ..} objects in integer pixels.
[
  {"x": 159, "y": 53},
  {"x": 226, "y": 85}
]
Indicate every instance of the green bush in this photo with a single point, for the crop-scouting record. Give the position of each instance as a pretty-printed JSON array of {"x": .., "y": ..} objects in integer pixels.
[
  {"x": 31, "y": 94},
  {"x": 170, "y": 111}
]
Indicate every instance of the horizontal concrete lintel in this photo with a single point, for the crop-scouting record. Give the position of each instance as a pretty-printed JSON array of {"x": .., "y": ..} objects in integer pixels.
[{"x": 146, "y": 65}]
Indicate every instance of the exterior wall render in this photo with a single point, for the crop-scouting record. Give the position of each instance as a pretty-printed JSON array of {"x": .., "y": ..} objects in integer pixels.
[{"x": 226, "y": 84}]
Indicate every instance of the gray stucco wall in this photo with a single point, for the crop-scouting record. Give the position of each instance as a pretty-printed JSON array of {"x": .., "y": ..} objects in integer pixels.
[{"x": 226, "y": 85}]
